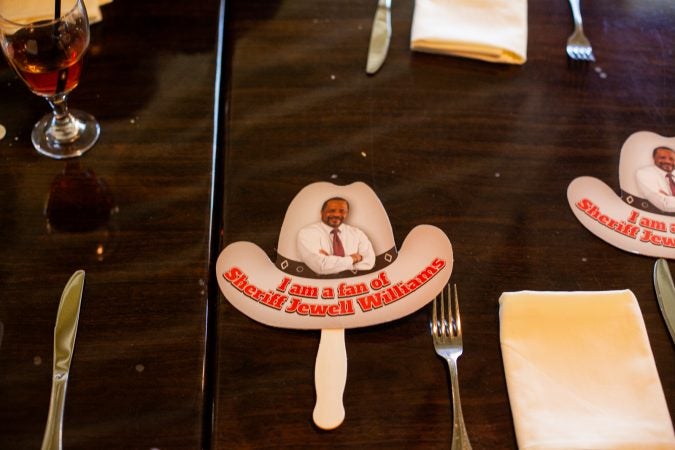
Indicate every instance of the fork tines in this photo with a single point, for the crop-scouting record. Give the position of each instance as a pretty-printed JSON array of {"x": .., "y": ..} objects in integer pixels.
[
  {"x": 578, "y": 46},
  {"x": 580, "y": 51},
  {"x": 448, "y": 325}
]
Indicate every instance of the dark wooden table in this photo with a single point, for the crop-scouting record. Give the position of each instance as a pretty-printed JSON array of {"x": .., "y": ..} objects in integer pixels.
[
  {"x": 193, "y": 158},
  {"x": 483, "y": 151},
  {"x": 135, "y": 214}
]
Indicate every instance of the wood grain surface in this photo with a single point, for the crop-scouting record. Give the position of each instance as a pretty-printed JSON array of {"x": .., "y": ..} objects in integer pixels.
[
  {"x": 483, "y": 151},
  {"x": 206, "y": 141},
  {"x": 135, "y": 214}
]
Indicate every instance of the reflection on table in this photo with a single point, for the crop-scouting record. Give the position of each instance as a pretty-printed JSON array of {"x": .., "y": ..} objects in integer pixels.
[{"x": 135, "y": 213}]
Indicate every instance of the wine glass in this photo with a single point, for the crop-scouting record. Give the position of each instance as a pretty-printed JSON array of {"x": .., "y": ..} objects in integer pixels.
[{"x": 46, "y": 51}]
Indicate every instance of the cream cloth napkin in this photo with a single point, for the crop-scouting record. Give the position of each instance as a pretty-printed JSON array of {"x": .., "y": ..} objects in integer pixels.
[
  {"x": 490, "y": 30},
  {"x": 37, "y": 9},
  {"x": 580, "y": 372}
]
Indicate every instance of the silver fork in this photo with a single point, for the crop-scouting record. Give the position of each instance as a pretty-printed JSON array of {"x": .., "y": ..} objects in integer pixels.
[
  {"x": 446, "y": 331},
  {"x": 578, "y": 45}
]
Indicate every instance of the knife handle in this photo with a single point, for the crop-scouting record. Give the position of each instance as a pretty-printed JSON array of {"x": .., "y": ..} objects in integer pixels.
[
  {"x": 330, "y": 377},
  {"x": 52, "y": 439}
]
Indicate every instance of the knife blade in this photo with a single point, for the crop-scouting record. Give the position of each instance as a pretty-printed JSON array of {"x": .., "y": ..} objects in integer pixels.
[
  {"x": 65, "y": 331},
  {"x": 665, "y": 294},
  {"x": 380, "y": 36}
]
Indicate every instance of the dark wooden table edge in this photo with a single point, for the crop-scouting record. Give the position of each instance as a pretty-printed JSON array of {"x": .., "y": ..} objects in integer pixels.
[{"x": 216, "y": 222}]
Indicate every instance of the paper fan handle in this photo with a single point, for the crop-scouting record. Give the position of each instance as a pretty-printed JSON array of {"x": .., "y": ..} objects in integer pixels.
[{"x": 330, "y": 377}]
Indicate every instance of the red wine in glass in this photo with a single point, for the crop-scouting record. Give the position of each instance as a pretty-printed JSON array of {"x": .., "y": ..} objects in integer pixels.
[
  {"x": 49, "y": 82},
  {"x": 44, "y": 63}
]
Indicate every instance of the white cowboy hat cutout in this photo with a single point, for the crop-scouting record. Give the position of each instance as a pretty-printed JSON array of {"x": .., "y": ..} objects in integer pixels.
[
  {"x": 642, "y": 220},
  {"x": 289, "y": 294}
]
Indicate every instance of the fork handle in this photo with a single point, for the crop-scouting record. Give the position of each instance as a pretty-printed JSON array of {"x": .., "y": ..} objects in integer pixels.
[
  {"x": 576, "y": 13},
  {"x": 330, "y": 378},
  {"x": 460, "y": 438}
]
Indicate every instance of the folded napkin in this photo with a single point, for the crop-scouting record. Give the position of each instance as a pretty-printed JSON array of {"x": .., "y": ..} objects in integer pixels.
[
  {"x": 580, "y": 372},
  {"x": 490, "y": 30},
  {"x": 38, "y": 9}
]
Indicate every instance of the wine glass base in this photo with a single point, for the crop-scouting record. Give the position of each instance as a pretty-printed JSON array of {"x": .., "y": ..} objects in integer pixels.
[{"x": 87, "y": 132}]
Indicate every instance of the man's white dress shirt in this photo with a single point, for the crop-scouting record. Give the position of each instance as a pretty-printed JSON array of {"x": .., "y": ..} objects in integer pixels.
[
  {"x": 653, "y": 182},
  {"x": 316, "y": 237}
]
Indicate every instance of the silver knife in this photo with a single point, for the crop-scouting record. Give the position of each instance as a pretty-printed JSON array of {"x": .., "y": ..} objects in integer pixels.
[
  {"x": 665, "y": 293},
  {"x": 64, "y": 343},
  {"x": 379, "y": 37}
]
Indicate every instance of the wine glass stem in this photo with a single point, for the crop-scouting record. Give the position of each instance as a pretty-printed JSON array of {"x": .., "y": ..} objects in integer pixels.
[
  {"x": 59, "y": 106},
  {"x": 64, "y": 127}
]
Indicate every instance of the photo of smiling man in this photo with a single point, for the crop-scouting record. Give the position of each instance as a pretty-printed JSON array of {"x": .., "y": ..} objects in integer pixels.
[
  {"x": 330, "y": 246},
  {"x": 656, "y": 180}
]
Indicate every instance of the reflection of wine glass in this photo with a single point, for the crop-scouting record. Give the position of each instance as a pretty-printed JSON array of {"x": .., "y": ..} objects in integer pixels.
[
  {"x": 80, "y": 211},
  {"x": 46, "y": 51}
]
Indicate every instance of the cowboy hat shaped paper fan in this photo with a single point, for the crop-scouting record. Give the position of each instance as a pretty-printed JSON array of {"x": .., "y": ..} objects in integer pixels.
[
  {"x": 337, "y": 267},
  {"x": 642, "y": 220}
]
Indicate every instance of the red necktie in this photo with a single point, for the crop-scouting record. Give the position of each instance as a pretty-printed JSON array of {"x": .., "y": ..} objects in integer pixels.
[
  {"x": 338, "y": 249},
  {"x": 671, "y": 183}
]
